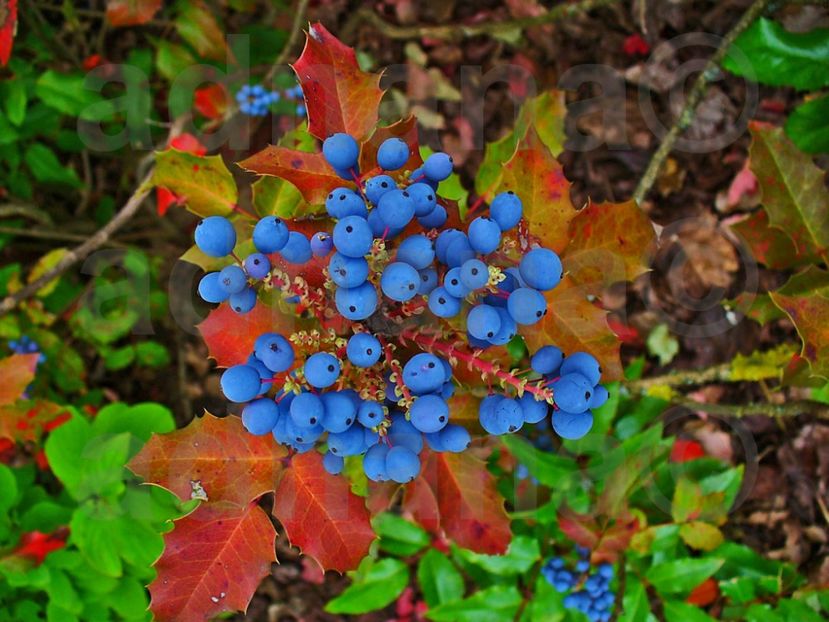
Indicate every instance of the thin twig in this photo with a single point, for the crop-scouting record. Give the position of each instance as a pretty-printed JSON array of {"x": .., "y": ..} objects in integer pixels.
[
  {"x": 48, "y": 234},
  {"x": 296, "y": 31},
  {"x": 717, "y": 373},
  {"x": 459, "y": 31},
  {"x": 786, "y": 409},
  {"x": 694, "y": 98},
  {"x": 29, "y": 211}
]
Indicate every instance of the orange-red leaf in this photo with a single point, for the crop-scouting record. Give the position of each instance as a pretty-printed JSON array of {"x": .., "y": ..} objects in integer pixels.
[
  {"x": 340, "y": 97},
  {"x": 309, "y": 172},
  {"x": 27, "y": 421},
  {"x": 211, "y": 459},
  {"x": 8, "y": 28},
  {"x": 575, "y": 324},
  {"x": 321, "y": 515},
  {"x": 609, "y": 243},
  {"x": 405, "y": 129},
  {"x": 16, "y": 371},
  {"x": 230, "y": 336},
  {"x": 131, "y": 12},
  {"x": 420, "y": 503},
  {"x": 471, "y": 509},
  {"x": 810, "y": 315},
  {"x": 537, "y": 178},
  {"x": 213, "y": 562},
  {"x": 770, "y": 245}
]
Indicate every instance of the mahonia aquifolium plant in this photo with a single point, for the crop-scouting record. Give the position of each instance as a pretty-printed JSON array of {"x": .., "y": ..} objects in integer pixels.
[
  {"x": 391, "y": 259},
  {"x": 586, "y": 591},
  {"x": 255, "y": 100}
]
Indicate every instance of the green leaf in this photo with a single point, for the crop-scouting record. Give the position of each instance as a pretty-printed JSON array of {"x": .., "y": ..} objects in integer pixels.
[
  {"x": 45, "y": 516},
  {"x": 46, "y": 168},
  {"x": 141, "y": 420},
  {"x": 522, "y": 553},
  {"x": 199, "y": 28},
  {"x": 60, "y": 591},
  {"x": 273, "y": 196},
  {"x": 494, "y": 604},
  {"x": 687, "y": 501},
  {"x": 68, "y": 94},
  {"x": 399, "y": 536},
  {"x": 682, "y": 575},
  {"x": 662, "y": 344},
  {"x": 8, "y": 489},
  {"x": 546, "y": 604},
  {"x": 119, "y": 358},
  {"x": 677, "y": 611},
  {"x": 151, "y": 354},
  {"x": 439, "y": 580},
  {"x": 172, "y": 59},
  {"x": 762, "y": 613},
  {"x": 549, "y": 469},
  {"x": 203, "y": 181},
  {"x": 635, "y": 603},
  {"x": 378, "y": 587},
  {"x": 807, "y": 126},
  {"x": 14, "y": 100},
  {"x": 768, "y": 53},
  {"x": 701, "y": 536}
]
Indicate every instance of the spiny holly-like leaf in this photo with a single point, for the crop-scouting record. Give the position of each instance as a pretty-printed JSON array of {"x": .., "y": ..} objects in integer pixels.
[
  {"x": 580, "y": 528},
  {"x": 810, "y": 315},
  {"x": 575, "y": 324},
  {"x": 309, "y": 172},
  {"x": 202, "y": 181},
  {"x": 405, "y": 129},
  {"x": 321, "y": 515},
  {"x": 609, "y": 243},
  {"x": 339, "y": 96},
  {"x": 793, "y": 192},
  {"x": 211, "y": 459},
  {"x": 770, "y": 245},
  {"x": 8, "y": 28},
  {"x": 17, "y": 372},
  {"x": 420, "y": 502},
  {"x": 131, "y": 12},
  {"x": 471, "y": 510},
  {"x": 537, "y": 178},
  {"x": 230, "y": 336},
  {"x": 213, "y": 562},
  {"x": 27, "y": 421},
  {"x": 273, "y": 196},
  {"x": 546, "y": 114}
]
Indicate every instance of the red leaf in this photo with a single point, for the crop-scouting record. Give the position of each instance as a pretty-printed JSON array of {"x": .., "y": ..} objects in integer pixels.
[
  {"x": 8, "y": 28},
  {"x": 614, "y": 540},
  {"x": 131, "y": 12},
  {"x": 212, "y": 459},
  {"x": 27, "y": 421},
  {"x": 210, "y": 101},
  {"x": 17, "y": 372},
  {"x": 419, "y": 500},
  {"x": 471, "y": 509},
  {"x": 684, "y": 450},
  {"x": 309, "y": 172},
  {"x": 37, "y": 546},
  {"x": 188, "y": 143},
  {"x": 405, "y": 129},
  {"x": 580, "y": 528},
  {"x": 339, "y": 96},
  {"x": 705, "y": 593},
  {"x": 743, "y": 184},
  {"x": 230, "y": 336},
  {"x": 213, "y": 562},
  {"x": 635, "y": 45},
  {"x": 321, "y": 515}
]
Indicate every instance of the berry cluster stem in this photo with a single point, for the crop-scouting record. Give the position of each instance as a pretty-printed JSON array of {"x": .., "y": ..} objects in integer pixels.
[
  {"x": 394, "y": 366},
  {"x": 485, "y": 367}
]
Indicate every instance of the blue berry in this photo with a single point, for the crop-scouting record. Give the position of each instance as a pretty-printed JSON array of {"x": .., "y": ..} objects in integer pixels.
[
  {"x": 507, "y": 331},
  {"x": 428, "y": 280},
  {"x": 402, "y": 432},
  {"x": 417, "y": 251},
  {"x": 342, "y": 202},
  {"x": 374, "y": 462},
  {"x": 434, "y": 219},
  {"x": 399, "y": 281},
  {"x": 307, "y": 410},
  {"x": 297, "y": 250},
  {"x": 526, "y": 306},
  {"x": 454, "y": 438},
  {"x": 257, "y": 266},
  {"x": 483, "y": 322},
  {"x": 429, "y": 413},
  {"x": 419, "y": 176},
  {"x": 356, "y": 303},
  {"x": 377, "y": 186},
  {"x": 275, "y": 352},
  {"x": 210, "y": 290},
  {"x": 442, "y": 242},
  {"x": 584, "y": 364},
  {"x": 572, "y": 425},
  {"x": 402, "y": 464},
  {"x": 332, "y": 463},
  {"x": 232, "y": 279},
  {"x": 379, "y": 228},
  {"x": 321, "y": 370},
  {"x": 487, "y": 417},
  {"x": 599, "y": 397},
  {"x": 299, "y": 435},
  {"x": 572, "y": 392},
  {"x": 458, "y": 252},
  {"x": 363, "y": 349},
  {"x": 534, "y": 410},
  {"x": 349, "y": 442},
  {"x": 243, "y": 301},
  {"x": 321, "y": 244},
  {"x": 240, "y": 383},
  {"x": 454, "y": 285},
  {"x": 474, "y": 274},
  {"x": 484, "y": 235},
  {"x": 340, "y": 411},
  {"x": 396, "y": 208},
  {"x": 353, "y": 236},
  {"x": 341, "y": 151},
  {"x": 264, "y": 373},
  {"x": 506, "y": 210},
  {"x": 437, "y": 166},
  {"x": 541, "y": 269},
  {"x": 392, "y": 154},
  {"x": 370, "y": 414},
  {"x": 259, "y": 417},
  {"x": 547, "y": 360},
  {"x": 347, "y": 271},
  {"x": 215, "y": 236},
  {"x": 423, "y": 373},
  {"x": 424, "y": 198},
  {"x": 443, "y": 304},
  {"x": 270, "y": 235}
]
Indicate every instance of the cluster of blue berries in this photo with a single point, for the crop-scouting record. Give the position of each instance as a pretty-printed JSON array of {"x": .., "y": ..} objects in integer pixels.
[
  {"x": 255, "y": 100},
  {"x": 26, "y": 345},
  {"x": 594, "y": 597}
]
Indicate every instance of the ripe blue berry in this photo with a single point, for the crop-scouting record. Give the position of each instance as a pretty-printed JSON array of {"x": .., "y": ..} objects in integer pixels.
[
  {"x": 599, "y": 397},
  {"x": 341, "y": 151},
  {"x": 333, "y": 463},
  {"x": 244, "y": 301},
  {"x": 458, "y": 252},
  {"x": 584, "y": 364},
  {"x": 340, "y": 411},
  {"x": 347, "y": 271},
  {"x": 442, "y": 242},
  {"x": 379, "y": 228},
  {"x": 417, "y": 251},
  {"x": 400, "y": 281},
  {"x": 297, "y": 250},
  {"x": 215, "y": 236},
  {"x": 321, "y": 370},
  {"x": 232, "y": 279},
  {"x": 342, "y": 202},
  {"x": 377, "y": 186},
  {"x": 374, "y": 462},
  {"x": 259, "y": 417},
  {"x": 534, "y": 410},
  {"x": 483, "y": 322},
  {"x": 240, "y": 383},
  {"x": 547, "y": 360},
  {"x": 434, "y": 219},
  {"x": 428, "y": 280},
  {"x": 392, "y": 154},
  {"x": 526, "y": 306},
  {"x": 437, "y": 166},
  {"x": 474, "y": 274},
  {"x": 264, "y": 372},
  {"x": 396, "y": 208},
  {"x": 402, "y": 432},
  {"x": 423, "y": 373},
  {"x": 454, "y": 438},
  {"x": 257, "y": 266},
  {"x": 321, "y": 244},
  {"x": 572, "y": 393},
  {"x": 429, "y": 413},
  {"x": 484, "y": 235},
  {"x": 443, "y": 304},
  {"x": 353, "y": 236},
  {"x": 270, "y": 235},
  {"x": 572, "y": 425},
  {"x": 363, "y": 349},
  {"x": 349, "y": 442},
  {"x": 424, "y": 198},
  {"x": 299, "y": 435},
  {"x": 402, "y": 464},
  {"x": 274, "y": 351},
  {"x": 541, "y": 269},
  {"x": 453, "y": 283},
  {"x": 356, "y": 303},
  {"x": 507, "y": 331},
  {"x": 487, "y": 418},
  {"x": 506, "y": 210},
  {"x": 307, "y": 410},
  {"x": 419, "y": 176},
  {"x": 210, "y": 290},
  {"x": 370, "y": 413}
]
